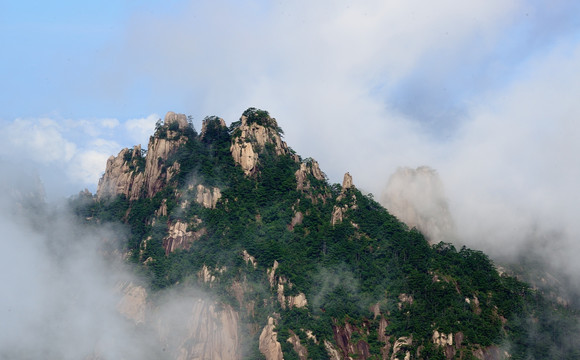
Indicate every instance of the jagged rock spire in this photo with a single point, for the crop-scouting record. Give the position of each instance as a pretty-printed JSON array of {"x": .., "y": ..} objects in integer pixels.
[{"x": 347, "y": 182}]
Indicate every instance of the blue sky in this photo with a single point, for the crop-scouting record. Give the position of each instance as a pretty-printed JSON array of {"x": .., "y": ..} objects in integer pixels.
[{"x": 483, "y": 91}]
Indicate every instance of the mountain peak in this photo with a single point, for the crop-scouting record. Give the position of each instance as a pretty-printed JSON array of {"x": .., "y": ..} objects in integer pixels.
[
  {"x": 259, "y": 117},
  {"x": 255, "y": 132},
  {"x": 180, "y": 120}
]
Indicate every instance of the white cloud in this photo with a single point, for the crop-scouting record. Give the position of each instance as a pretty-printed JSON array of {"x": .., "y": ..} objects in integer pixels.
[
  {"x": 66, "y": 152},
  {"x": 139, "y": 130},
  {"x": 39, "y": 140},
  {"x": 104, "y": 145},
  {"x": 88, "y": 166},
  {"x": 515, "y": 165},
  {"x": 109, "y": 123}
]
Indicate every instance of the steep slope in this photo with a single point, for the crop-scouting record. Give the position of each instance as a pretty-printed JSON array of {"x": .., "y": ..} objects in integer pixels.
[{"x": 308, "y": 269}]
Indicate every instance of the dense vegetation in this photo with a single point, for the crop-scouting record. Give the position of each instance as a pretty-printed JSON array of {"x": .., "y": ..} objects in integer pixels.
[{"x": 367, "y": 261}]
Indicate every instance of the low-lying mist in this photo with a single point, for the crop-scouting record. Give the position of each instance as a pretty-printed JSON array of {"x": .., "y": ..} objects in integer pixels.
[{"x": 68, "y": 294}]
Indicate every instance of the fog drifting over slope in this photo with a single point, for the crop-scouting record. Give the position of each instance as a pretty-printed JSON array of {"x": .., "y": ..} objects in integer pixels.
[
  {"x": 59, "y": 298},
  {"x": 64, "y": 285}
]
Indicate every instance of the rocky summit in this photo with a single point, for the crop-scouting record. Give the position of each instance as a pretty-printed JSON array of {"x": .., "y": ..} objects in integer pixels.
[{"x": 278, "y": 263}]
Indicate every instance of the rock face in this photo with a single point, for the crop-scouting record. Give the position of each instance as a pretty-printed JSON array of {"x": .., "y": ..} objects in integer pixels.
[
  {"x": 207, "y": 197},
  {"x": 123, "y": 175},
  {"x": 297, "y": 346},
  {"x": 308, "y": 167},
  {"x": 308, "y": 180},
  {"x": 399, "y": 345},
  {"x": 442, "y": 339},
  {"x": 347, "y": 181},
  {"x": 179, "y": 237},
  {"x": 269, "y": 345},
  {"x": 343, "y": 336},
  {"x": 133, "y": 303},
  {"x": 162, "y": 145},
  {"x": 198, "y": 329},
  {"x": 255, "y": 130},
  {"x": 208, "y": 122},
  {"x": 206, "y": 275},
  {"x": 132, "y": 175},
  {"x": 172, "y": 119},
  {"x": 417, "y": 197},
  {"x": 279, "y": 283},
  {"x": 449, "y": 342},
  {"x": 249, "y": 259},
  {"x": 339, "y": 211},
  {"x": 333, "y": 354},
  {"x": 185, "y": 325}
]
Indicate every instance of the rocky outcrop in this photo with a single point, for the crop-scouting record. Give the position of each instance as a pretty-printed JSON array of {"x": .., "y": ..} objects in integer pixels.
[
  {"x": 333, "y": 354},
  {"x": 404, "y": 299},
  {"x": 308, "y": 168},
  {"x": 166, "y": 141},
  {"x": 271, "y": 272},
  {"x": 449, "y": 342},
  {"x": 442, "y": 339},
  {"x": 135, "y": 176},
  {"x": 194, "y": 328},
  {"x": 297, "y": 301},
  {"x": 417, "y": 198},
  {"x": 133, "y": 303},
  {"x": 205, "y": 275},
  {"x": 162, "y": 211},
  {"x": 123, "y": 175},
  {"x": 210, "y": 121},
  {"x": 207, "y": 198},
  {"x": 386, "y": 349},
  {"x": 474, "y": 304},
  {"x": 279, "y": 282},
  {"x": 347, "y": 343},
  {"x": 300, "y": 349},
  {"x": 209, "y": 276},
  {"x": 400, "y": 347},
  {"x": 307, "y": 177},
  {"x": 339, "y": 211},
  {"x": 255, "y": 130},
  {"x": 176, "y": 121},
  {"x": 289, "y": 301},
  {"x": 269, "y": 345},
  {"x": 249, "y": 259},
  {"x": 347, "y": 182},
  {"x": 337, "y": 214},
  {"x": 184, "y": 324},
  {"x": 296, "y": 220},
  {"x": 179, "y": 237}
]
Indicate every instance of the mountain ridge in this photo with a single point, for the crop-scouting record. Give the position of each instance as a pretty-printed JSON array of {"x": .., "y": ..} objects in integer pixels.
[{"x": 312, "y": 269}]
